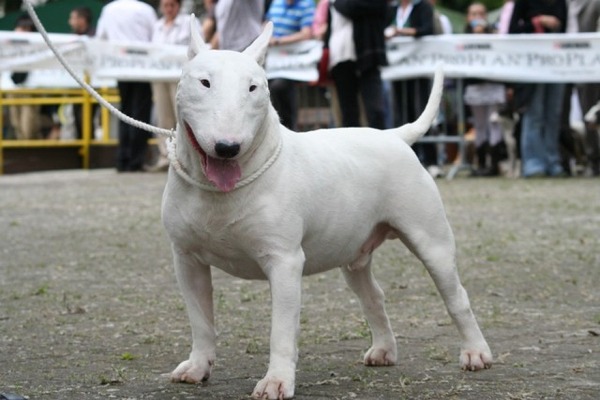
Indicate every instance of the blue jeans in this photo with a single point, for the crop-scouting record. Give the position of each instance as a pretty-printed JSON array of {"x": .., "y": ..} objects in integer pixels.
[{"x": 540, "y": 131}]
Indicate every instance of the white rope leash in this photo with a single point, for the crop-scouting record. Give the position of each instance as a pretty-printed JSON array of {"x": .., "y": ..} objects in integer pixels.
[
  {"x": 170, "y": 134},
  {"x": 116, "y": 112}
]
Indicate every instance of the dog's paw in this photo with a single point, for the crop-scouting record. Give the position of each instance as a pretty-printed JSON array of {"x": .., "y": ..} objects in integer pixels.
[
  {"x": 380, "y": 357},
  {"x": 475, "y": 359},
  {"x": 273, "y": 388},
  {"x": 192, "y": 371}
]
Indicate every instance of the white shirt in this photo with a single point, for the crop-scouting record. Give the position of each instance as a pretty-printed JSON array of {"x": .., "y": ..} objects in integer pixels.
[
  {"x": 402, "y": 15},
  {"x": 341, "y": 41},
  {"x": 176, "y": 33},
  {"x": 126, "y": 21},
  {"x": 446, "y": 24}
]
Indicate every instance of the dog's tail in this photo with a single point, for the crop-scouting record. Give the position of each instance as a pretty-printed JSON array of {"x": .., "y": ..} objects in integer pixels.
[{"x": 411, "y": 132}]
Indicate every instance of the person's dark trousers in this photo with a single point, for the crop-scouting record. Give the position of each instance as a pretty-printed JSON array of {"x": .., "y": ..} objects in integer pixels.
[
  {"x": 349, "y": 83},
  {"x": 411, "y": 97},
  {"x": 284, "y": 97},
  {"x": 136, "y": 102},
  {"x": 78, "y": 114}
]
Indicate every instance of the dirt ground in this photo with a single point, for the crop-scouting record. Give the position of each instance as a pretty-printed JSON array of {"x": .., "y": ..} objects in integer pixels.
[{"x": 89, "y": 308}]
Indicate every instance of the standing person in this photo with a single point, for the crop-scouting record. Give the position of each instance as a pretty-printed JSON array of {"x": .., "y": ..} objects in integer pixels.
[
  {"x": 26, "y": 119},
  {"x": 292, "y": 22},
  {"x": 484, "y": 98},
  {"x": 130, "y": 21},
  {"x": 584, "y": 16},
  {"x": 542, "y": 102},
  {"x": 356, "y": 52},
  {"x": 80, "y": 21},
  {"x": 414, "y": 18},
  {"x": 238, "y": 23},
  {"x": 173, "y": 29}
]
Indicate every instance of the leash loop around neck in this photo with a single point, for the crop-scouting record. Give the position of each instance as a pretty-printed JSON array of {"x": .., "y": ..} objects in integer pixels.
[
  {"x": 180, "y": 170},
  {"x": 117, "y": 113}
]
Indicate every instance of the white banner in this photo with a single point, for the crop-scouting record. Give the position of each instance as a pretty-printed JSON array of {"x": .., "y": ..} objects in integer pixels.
[
  {"x": 296, "y": 61},
  {"x": 131, "y": 61},
  {"x": 513, "y": 58},
  {"x": 518, "y": 58}
]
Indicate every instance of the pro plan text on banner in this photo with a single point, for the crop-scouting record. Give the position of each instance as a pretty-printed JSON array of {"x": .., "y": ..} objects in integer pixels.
[{"x": 514, "y": 58}]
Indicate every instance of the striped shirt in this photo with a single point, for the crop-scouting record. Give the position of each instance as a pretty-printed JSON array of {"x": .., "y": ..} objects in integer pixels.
[{"x": 290, "y": 18}]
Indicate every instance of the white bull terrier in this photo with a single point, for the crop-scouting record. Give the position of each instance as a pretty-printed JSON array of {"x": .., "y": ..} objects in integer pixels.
[{"x": 259, "y": 201}]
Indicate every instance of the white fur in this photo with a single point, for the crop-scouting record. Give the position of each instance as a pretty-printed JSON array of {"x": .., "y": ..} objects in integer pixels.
[{"x": 329, "y": 199}]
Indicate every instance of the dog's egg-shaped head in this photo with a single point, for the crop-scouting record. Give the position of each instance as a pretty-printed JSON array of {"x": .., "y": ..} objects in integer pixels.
[{"x": 223, "y": 98}]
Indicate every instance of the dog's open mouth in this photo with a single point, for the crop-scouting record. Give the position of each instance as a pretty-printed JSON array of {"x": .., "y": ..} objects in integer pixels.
[{"x": 223, "y": 173}]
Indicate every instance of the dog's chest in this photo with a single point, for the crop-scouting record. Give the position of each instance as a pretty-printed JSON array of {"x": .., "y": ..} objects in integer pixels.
[{"x": 217, "y": 235}]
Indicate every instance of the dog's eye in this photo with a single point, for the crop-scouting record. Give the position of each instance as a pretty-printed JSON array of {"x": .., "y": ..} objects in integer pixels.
[
  {"x": 252, "y": 88},
  {"x": 205, "y": 83}
]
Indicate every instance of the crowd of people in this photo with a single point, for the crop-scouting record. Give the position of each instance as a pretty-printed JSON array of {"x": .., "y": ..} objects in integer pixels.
[{"x": 354, "y": 35}]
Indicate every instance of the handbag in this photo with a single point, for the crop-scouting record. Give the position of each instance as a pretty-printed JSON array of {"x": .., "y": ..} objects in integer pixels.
[{"x": 323, "y": 69}]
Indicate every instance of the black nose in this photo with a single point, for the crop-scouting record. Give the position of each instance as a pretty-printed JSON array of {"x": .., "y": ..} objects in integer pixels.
[{"x": 227, "y": 149}]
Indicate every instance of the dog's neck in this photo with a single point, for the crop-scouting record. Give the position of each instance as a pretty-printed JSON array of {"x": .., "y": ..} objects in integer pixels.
[{"x": 259, "y": 157}]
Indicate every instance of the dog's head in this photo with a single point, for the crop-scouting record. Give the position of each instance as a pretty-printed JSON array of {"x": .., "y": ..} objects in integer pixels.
[{"x": 222, "y": 104}]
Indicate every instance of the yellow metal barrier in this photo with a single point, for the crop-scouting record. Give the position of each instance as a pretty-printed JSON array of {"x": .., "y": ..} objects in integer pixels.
[{"x": 21, "y": 96}]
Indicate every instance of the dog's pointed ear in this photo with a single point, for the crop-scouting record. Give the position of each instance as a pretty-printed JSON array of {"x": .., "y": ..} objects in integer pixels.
[
  {"x": 196, "y": 42},
  {"x": 258, "y": 48}
]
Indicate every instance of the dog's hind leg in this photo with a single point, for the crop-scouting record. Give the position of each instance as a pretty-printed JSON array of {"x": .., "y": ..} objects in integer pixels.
[
  {"x": 425, "y": 231},
  {"x": 363, "y": 283},
  {"x": 195, "y": 282}
]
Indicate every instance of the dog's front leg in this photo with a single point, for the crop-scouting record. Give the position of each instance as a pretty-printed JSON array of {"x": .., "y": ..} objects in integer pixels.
[
  {"x": 285, "y": 279},
  {"x": 195, "y": 283}
]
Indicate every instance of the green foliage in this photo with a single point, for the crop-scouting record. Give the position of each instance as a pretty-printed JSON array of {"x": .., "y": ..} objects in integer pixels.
[{"x": 128, "y": 356}]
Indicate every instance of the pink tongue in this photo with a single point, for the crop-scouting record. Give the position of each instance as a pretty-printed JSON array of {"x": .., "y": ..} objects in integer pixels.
[{"x": 223, "y": 173}]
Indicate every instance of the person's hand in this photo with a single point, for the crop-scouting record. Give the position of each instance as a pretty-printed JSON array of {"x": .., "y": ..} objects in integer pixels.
[
  {"x": 549, "y": 22},
  {"x": 406, "y": 31}
]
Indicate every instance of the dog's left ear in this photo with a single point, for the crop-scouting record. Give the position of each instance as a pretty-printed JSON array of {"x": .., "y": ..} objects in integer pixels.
[
  {"x": 258, "y": 48},
  {"x": 196, "y": 42}
]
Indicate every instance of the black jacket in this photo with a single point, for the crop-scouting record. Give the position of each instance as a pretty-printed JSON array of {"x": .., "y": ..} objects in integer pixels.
[
  {"x": 369, "y": 21},
  {"x": 525, "y": 10},
  {"x": 420, "y": 18}
]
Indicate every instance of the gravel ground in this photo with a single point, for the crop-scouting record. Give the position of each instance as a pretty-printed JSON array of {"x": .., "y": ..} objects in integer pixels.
[{"x": 89, "y": 308}]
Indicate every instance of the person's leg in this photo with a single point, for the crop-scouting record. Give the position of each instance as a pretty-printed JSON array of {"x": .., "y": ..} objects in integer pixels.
[
  {"x": 124, "y": 145},
  {"x": 283, "y": 97},
  {"x": 480, "y": 125},
  {"x": 30, "y": 123},
  {"x": 371, "y": 88},
  {"x": 496, "y": 139},
  {"x": 589, "y": 95},
  {"x": 532, "y": 144},
  {"x": 141, "y": 109},
  {"x": 553, "y": 101},
  {"x": 165, "y": 115},
  {"x": 346, "y": 84}
]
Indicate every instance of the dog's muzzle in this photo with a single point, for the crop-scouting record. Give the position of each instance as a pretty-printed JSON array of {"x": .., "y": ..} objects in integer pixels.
[{"x": 227, "y": 149}]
